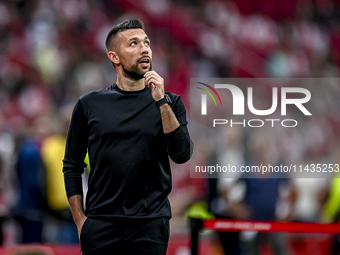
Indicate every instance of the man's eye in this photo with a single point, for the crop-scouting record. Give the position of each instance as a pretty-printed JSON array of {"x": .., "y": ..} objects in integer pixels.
[
  {"x": 133, "y": 44},
  {"x": 147, "y": 43}
]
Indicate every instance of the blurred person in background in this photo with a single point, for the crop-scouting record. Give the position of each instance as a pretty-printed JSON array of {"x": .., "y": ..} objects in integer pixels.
[
  {"x": 3, "y": 209},
  {"x": 52, "y": 152},
  {"x": 331, "y": 208},
  {"x": 230, "y": 151},
  {"x": 30, "y": 210},
  {"x": 130, "y": 130},
  {"x": 6, "y": 157},
  {"x": 266, "y": 197}
]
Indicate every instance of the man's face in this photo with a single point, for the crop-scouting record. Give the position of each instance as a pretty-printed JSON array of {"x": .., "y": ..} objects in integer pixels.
[{"x": 135, "y": 53}]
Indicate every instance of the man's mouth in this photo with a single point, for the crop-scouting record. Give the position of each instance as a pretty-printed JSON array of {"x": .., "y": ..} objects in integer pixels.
[{"x": 145, "y": 62}]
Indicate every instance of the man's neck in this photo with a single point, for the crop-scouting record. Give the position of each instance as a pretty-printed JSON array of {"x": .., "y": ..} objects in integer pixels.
[{"x": 127, "y": 84}]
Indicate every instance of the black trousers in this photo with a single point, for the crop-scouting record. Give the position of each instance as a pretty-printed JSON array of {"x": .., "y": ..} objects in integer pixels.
[{"x": 125, "y": 236}]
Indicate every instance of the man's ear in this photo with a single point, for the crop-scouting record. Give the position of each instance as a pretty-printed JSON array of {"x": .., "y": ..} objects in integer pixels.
[{"x": 113, "y": 56}]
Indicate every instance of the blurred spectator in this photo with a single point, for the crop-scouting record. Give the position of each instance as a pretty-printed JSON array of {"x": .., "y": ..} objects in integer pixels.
[
  {"x": 3, "y": 209},
  {"x": 30, "y": 210},
  {"x": 267, "y": 197},
  {"x": 52, "y": 153},
  {"x": 331, "y": 208},
  {"x": 6, "y": 157},
  {"x": 231, "y": 152}
]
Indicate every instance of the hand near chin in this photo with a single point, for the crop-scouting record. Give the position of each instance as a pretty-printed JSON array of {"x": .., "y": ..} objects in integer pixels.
[{"x": 156, "y": 83}]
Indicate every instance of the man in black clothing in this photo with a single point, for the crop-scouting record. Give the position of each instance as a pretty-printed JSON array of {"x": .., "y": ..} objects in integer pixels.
[{"x": 129, "y": 129}]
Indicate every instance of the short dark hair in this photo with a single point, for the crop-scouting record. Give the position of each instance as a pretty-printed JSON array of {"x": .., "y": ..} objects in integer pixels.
[{"x": 125, "y": 25}]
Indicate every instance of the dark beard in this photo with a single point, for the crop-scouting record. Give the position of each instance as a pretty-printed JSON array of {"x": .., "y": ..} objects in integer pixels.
[{"x": 134, "y": 73}]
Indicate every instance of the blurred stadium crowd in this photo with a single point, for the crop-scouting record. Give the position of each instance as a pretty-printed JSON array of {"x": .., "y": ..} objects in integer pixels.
[{"x": 53, "y": 51}]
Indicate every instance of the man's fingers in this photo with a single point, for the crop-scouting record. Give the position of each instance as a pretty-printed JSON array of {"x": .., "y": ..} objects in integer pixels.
[
  {"x": 153, "y": 74},
  {"x": 152, "y": 81},
  {"x": 156, "y": 83},
  {"x": 149, "y": 73},
  {"x": 151, "y": 85},
  {"x": 155, "y": 80}
]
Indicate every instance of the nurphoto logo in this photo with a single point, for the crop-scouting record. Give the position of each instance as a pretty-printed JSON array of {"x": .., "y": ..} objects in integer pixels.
[
  {"x": 238, "y": 106},
  {"x": 264, "y": 128}
]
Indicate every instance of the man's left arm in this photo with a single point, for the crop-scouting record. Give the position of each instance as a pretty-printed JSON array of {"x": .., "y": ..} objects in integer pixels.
[{"x": 174, "y": 125}]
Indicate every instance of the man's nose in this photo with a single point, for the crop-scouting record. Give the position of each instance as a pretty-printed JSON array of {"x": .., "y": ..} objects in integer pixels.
[{"x": 145, "y": 49}]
